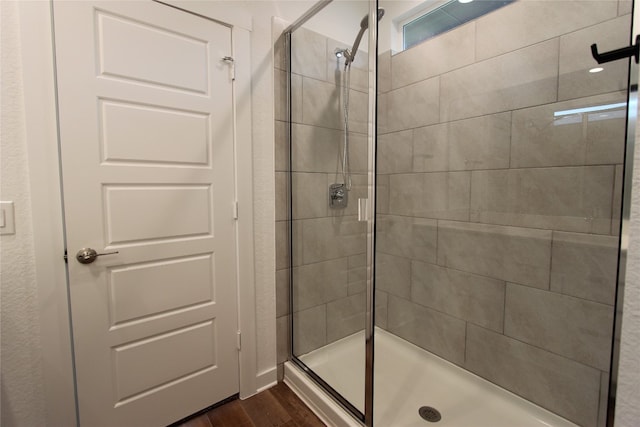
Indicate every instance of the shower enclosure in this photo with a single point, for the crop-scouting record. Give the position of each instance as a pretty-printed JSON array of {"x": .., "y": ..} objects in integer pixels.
[{"x": 454, "y": 209}]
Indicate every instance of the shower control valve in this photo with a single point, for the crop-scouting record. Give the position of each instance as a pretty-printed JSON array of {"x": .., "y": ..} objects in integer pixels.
[{"x": 338, "y": 196}]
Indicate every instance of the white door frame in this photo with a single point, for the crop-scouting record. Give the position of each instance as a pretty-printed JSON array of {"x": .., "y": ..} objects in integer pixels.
[{"x": 43, "y": 159}]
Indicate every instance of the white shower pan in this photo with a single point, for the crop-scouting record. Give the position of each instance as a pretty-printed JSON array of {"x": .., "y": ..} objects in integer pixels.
[{"x": 407, "y": 378}]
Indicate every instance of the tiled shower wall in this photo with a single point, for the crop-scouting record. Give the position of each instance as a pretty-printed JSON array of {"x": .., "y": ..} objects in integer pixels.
[
  {"x": 497, "y": 221},
  {"x": 329, "y": 244},
  {"x": 496, "y": 234}
]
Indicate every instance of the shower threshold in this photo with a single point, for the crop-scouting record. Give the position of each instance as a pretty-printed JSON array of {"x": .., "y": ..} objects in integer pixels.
[{"x": 406, "y": 379}]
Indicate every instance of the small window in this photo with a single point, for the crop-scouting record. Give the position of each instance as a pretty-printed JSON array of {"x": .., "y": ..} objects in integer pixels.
[{"x": 446, "y": 17}]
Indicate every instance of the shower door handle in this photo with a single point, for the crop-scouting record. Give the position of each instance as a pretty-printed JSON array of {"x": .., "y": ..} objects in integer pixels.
[{"x": 363, "y": 209}]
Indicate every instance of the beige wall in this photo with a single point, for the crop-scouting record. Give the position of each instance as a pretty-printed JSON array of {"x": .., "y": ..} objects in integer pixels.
[{"x": 20, "y": 363}]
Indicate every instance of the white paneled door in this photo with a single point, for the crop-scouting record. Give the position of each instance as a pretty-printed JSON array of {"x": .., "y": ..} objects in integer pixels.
[{"x": 146, "y": 130}]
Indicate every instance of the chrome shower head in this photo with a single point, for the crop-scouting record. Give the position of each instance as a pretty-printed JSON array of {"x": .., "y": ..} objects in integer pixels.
[{"x": 364, "y": 24}]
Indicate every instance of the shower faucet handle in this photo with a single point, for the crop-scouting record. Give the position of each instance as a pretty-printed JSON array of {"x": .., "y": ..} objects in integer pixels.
[{"x": 338, "y": 196}]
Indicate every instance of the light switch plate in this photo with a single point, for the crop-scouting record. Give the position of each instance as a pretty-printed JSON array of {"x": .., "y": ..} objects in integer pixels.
[{"x": 7, "y": 219}]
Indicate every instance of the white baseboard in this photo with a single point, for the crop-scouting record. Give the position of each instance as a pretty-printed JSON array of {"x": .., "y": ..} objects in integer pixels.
[{"x": 267, "y": 379}]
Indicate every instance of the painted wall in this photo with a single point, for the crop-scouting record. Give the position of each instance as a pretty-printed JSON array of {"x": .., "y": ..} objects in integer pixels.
[{"x": 20, "y": 349}]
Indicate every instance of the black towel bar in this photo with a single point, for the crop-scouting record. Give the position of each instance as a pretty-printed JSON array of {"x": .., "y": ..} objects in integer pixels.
[{"x": 625, "y": 52}]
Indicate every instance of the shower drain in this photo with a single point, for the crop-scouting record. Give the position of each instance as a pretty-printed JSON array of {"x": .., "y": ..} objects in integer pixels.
[{"x": 430, "y": 414}]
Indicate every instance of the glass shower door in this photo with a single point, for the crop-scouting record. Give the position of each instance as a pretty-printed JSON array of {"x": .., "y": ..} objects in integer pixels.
[
  {"x": 501, "y": 145},
  {"x": 329, "y": 183}
]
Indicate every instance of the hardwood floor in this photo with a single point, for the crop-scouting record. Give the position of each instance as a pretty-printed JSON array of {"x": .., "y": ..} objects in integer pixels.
[{"x": 276, "y": 407}]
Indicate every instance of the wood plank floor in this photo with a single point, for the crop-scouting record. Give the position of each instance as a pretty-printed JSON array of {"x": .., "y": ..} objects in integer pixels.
[{"x": 276, "y": 407}]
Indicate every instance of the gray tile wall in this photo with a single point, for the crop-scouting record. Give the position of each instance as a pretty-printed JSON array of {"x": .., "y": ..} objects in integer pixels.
[
  {"x": 498, "y": 216},
  {"x": 329, "y": 245},
  {"x": 497, "y": 221}
]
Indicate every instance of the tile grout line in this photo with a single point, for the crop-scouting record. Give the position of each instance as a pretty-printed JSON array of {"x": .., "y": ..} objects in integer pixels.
[
  {"x": 511, "y": 140},
  {"x": 558, "y": 69},
  {"x": 504, "y": 307},
  {"x": 551, "y": 245},
  {"x": 466, "y": 347}
]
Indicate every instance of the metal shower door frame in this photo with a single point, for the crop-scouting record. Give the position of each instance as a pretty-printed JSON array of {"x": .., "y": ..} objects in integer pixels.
[
  {"x": 371, "y": 213},
  {"x": 625, "y": 216},
  {"x": 367, "y": 417}
]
